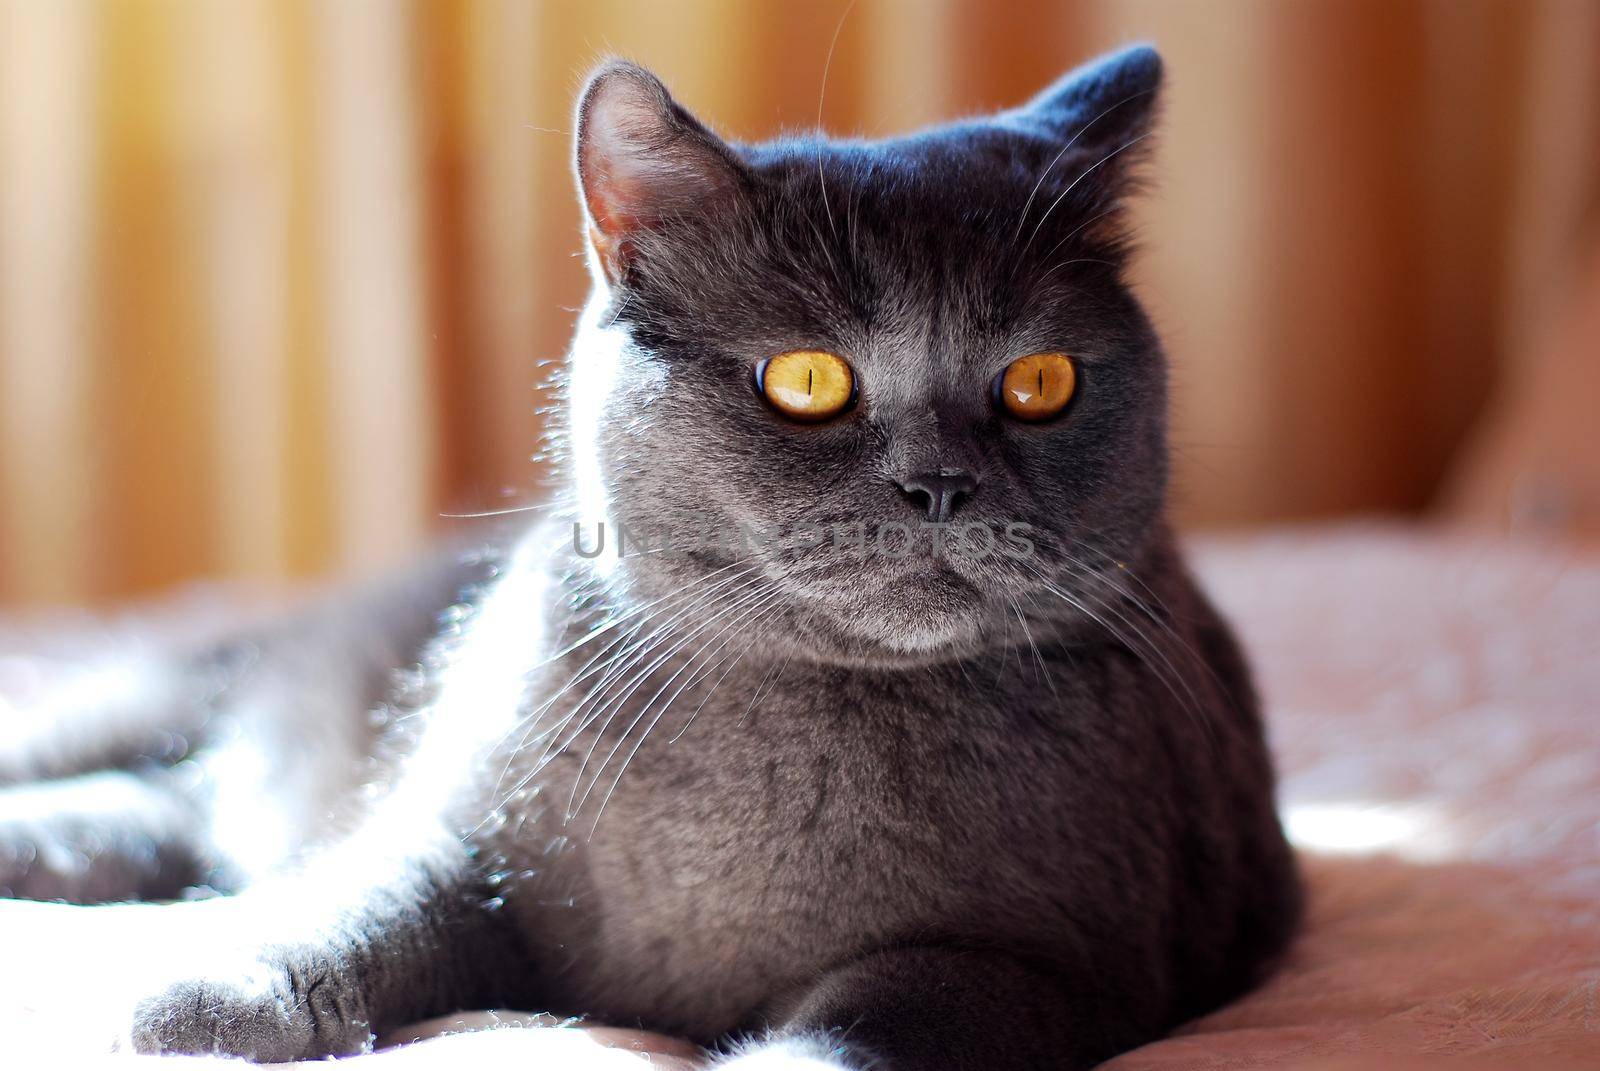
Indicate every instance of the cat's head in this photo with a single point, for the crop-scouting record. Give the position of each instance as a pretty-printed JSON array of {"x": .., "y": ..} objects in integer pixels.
[{"x": 819, "y": 339}]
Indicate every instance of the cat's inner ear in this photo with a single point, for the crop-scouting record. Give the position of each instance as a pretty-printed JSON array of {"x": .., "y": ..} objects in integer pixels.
[
  {"x": 1107, "y": 105},
  {"x": 643, "y": 161}
]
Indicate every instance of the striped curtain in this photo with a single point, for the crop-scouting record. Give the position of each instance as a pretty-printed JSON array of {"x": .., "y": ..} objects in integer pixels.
[{"x": 280, "y": 279}]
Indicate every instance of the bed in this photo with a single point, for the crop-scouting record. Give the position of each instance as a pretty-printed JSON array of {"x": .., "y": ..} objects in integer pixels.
[{"x": 1434, "y": 701}]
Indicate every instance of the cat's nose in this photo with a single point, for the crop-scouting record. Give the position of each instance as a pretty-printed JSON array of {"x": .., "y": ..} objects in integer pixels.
[{"x": 939, "y": 492}]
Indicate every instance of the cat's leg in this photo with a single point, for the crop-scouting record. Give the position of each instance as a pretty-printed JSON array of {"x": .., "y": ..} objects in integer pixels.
[
  {"x": 105, "y": 714},
  {"x": 328, "y": 957},
  {"x": 140, "y": 696},
  {"x": 392, "y": 923},
  {"x": 100, "y": 838},
  {"x": 938, "y": 1009}
]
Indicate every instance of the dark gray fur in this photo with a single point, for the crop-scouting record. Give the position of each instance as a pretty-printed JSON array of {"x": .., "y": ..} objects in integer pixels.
[{"x": 939, "y": 813}]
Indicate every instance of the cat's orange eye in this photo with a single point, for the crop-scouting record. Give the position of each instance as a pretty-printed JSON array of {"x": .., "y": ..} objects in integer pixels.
[
  {"x": 807, "y": 385},
  {"x": 1037, "y": 387}
]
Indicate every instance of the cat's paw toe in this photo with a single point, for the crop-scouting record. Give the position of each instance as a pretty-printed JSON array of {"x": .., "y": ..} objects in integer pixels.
[{"x": 263, "y": 1019}]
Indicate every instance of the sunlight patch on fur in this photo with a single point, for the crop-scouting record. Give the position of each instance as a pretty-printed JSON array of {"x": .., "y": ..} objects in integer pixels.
[{"x": 596, "y": 359}]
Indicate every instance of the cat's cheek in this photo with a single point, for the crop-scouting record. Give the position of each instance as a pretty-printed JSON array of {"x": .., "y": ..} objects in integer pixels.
[{"x": 818, "y": 1053}]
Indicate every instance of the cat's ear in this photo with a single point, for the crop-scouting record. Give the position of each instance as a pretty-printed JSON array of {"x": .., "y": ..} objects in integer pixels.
[
  {"x": 643, "y": 160},
  {"x": 1107, "y": 105}
]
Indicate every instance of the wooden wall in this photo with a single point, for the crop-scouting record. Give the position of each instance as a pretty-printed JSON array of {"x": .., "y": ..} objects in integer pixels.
[{"x": 279, "y": 280}]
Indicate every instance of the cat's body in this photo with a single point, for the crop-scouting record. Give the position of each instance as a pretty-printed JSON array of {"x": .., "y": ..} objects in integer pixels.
[
  {"x": 941, "y": 811},
  {"x": 846, "y": 811}
]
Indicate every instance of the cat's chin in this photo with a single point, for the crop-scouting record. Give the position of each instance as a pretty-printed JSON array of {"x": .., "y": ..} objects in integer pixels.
[
  {"x": 908, "y": 620},
  {"x": 886, "y": 643},
  {"x": 915, "y": 639}
]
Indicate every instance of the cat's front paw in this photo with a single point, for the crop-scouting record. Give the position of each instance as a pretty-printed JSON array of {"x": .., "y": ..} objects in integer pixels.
[{"x": 266, "y": 1014}]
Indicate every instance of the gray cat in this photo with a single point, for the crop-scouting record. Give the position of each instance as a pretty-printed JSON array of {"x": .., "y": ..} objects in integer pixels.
[{"x": 894, "y": 732}]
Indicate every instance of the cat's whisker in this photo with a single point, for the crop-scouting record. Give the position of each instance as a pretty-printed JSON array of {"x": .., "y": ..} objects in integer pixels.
[
  {"x": 761, "y": 603},
  {"x": 605, "y": 652},
  {"x": 1111, "y": 562},
  {"x": 508, "y": 511},
  {"x": 775, "y": 604},
  {"x": 1074, "y": 232},
  {"x": 749, "y": 595},
  {"x": 1062, "y": 196},
  {"x": 614, "y": 705},
  {"x": 1022, "y": 217},
  {"x": 605, "y": 661},
  {"x": 1139, "y": 649},
  {"x": 768, "y": 607},
  {"x": 1052, "y": 269},
  {"x": 643, "y": 608},
  {"x": 1038, "y": 659},
  {"x": 1184, "y": 645},
  {"x": 822, "y": 96},
  {"x": 616, "y": 667},
  {"x": 575, "y": 804},
  {"x": 528, "y": 724},
  {"x": 1108, "y": 578},
  {"x": 1143, "y": 647},
  {"x": 762, "y": 689},
  {"x": 1013, "y": 651},
  {"x": 1112, "y": 608},
  {"x": 622, "y": 309},
  {"x": 961, "y": 664},
  {"x": 619, "y": 665}
]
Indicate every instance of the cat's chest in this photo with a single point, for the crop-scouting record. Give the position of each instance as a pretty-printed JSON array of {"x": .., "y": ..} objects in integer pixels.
[
  {"x": 752, "y": 833},
  {"x": 759, "y": 785}
]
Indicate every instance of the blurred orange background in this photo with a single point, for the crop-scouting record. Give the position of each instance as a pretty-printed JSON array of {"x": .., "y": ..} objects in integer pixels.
[{"x": 279, "y": 280}]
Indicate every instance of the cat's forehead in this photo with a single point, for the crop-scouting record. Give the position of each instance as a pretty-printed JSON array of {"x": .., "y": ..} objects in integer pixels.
[
  {"x": 964, "y": 191},
  {"x": 971, "y": 220},
  {"x": 926, "y": 245}
]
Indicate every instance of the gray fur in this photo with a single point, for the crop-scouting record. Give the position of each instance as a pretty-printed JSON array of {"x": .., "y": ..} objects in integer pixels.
[{"x": 934, "y": 812}]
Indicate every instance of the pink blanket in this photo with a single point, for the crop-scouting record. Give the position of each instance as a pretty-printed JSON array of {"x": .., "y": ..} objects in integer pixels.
[{"x": 1435, "y": 704}]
